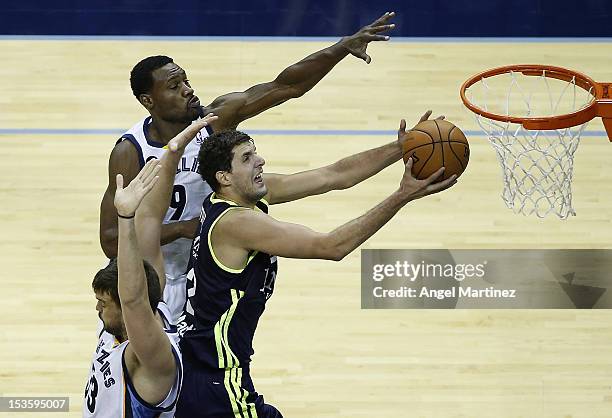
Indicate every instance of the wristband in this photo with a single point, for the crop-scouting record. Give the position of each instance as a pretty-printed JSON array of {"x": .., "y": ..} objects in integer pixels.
[{"x": 125, "y": 217}]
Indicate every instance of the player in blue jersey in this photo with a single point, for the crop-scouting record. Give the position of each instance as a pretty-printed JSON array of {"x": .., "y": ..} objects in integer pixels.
[
  {"x": 137, "y": 368},
  {"x": 233, "y": 262},
  {"x": 162, "y": 87}
]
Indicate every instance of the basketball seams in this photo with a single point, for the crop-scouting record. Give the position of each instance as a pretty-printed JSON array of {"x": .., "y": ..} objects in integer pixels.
[
  {"x": 435, "y": 159},
  {"x": 441, "y": 145},
  {"x": 453, "y": 151},
  {"x": 433, "y": 149}
]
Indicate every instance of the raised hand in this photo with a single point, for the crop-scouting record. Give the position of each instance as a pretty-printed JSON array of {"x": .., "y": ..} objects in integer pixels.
[
  {"x": 127, "y": 200},
  {"x": 357, "y": 44},
  {"x": 403, "y": 135},
  {"x": 412, "y": 188},
  {"x": 179, "y": 142}
]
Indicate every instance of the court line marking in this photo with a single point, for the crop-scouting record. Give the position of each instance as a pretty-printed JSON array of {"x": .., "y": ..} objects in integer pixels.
[{"x": 286, "y": 132}]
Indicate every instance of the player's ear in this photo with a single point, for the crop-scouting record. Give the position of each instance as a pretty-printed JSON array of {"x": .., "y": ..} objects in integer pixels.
[
  {"x": 223, "y": 178},
  {"x": 146, "y": 100}
]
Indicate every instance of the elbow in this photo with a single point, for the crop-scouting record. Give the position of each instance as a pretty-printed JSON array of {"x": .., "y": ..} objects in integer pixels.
[
  {"x": 327, "y": 247},
  {"x": 334, "y": 252},
  {"x": 293, "y": 91},
  {"x": 344, "y": 184},
  {"x": 337, "y": 256},
  {"x": 339, "y": 177},
  {"x": 298, "y": 92}
]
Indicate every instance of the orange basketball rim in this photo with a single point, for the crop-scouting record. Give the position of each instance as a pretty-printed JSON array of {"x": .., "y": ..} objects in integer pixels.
[{"x": 599, "y": 106}]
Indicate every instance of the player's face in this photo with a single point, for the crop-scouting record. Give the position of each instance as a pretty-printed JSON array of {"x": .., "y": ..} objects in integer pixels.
[
  {"x": 173, "y": 99},
  {"x": 247, "y": 172},
  {"x": 110, "y": 314}
]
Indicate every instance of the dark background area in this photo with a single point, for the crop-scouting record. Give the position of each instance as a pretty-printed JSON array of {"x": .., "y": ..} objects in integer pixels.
[{"x": 464, "y": 18}]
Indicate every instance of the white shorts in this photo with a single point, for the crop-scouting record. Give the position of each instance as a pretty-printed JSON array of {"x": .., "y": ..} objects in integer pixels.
[{"x": 175, "y": 295}]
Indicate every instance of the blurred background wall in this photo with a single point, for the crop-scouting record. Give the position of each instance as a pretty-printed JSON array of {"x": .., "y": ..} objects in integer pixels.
[{"x": 469, "y": 18}]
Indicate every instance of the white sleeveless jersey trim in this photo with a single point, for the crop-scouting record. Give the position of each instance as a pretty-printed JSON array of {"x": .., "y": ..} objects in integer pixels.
[
  {"x": 109, "y": 389},
  {"x": 187, "y": 195}
]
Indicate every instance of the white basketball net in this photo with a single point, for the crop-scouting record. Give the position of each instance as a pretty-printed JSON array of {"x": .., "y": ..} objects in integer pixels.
[{"x": 537, "y": 166}]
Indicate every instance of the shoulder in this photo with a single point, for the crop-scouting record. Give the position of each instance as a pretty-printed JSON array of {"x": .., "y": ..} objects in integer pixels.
[
  {"x": 125, "y": 155},
  {"x": 233, "y": 221}
]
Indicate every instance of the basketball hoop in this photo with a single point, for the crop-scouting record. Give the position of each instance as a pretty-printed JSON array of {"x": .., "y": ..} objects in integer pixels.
[{"x": 534, "y": 116}]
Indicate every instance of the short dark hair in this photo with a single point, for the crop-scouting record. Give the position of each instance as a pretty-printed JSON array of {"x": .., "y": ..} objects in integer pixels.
[
  {"x": 216, "y": 154},
  {"x": 106, "y": 280},
  {"x": 141, "y": 79}
]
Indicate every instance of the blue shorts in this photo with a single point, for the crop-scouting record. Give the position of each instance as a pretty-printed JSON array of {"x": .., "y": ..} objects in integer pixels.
[{"x": 219, "y": 393}]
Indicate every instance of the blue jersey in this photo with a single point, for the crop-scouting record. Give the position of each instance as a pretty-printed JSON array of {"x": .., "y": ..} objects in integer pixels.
[{"x": 223, "y": 305}]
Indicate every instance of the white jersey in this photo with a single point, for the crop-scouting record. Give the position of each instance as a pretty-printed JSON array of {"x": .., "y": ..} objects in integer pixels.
[
  {"x": 109, "y": 392},
  {"x": 188, "y": 193}
]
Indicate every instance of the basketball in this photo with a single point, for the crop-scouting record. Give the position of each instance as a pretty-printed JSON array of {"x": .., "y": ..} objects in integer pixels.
[{"x": 433, "y": 144}]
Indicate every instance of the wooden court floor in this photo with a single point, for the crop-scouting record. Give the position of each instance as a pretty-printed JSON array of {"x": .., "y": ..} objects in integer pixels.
[{"x": 318, "y": 355}]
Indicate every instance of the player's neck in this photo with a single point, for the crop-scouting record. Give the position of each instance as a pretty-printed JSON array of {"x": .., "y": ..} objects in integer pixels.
[
  {"x": 232, "y": 197},
  {"x": 162, "y": 132}
]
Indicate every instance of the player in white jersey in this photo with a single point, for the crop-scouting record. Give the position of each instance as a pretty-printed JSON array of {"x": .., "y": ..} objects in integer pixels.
[
  {"x": 109, "y": 391},
  {"x": 137, "y": 367},
  {"x": 186, "y": 199},
  {"x": 163, "y": 89}
]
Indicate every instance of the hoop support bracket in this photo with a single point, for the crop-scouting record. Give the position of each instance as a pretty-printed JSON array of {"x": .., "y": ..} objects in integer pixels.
[{"x": 604, "y": 106}]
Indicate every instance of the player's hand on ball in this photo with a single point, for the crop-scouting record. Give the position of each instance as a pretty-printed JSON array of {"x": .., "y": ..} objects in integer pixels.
[
  {"x": 358, "y": 43},
  {"x": 128, "y": 199},
  {"x": 403, "y": 135},
  {"x": 412, "y": 188}
]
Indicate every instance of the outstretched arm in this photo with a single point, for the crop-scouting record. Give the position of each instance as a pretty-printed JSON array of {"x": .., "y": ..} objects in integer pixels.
[
  {"x": 296, "y": 79},
  {"x": 149, "y": 349},
  {"x": 343, "y": 174},
  {"x": 296, "y": 241}
]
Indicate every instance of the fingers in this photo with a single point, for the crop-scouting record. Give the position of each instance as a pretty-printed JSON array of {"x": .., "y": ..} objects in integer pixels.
[
  {"x": 425, "y": 116},
  {"x": 442, "y": 185},
  {"x": 364, "y": 57},
  {"x": 209, "y": 118},
  {"x": 376, "y": 38},
  {"x": 381, "y": 28},
  {"x": 187, "y": 134},
  {"x": 402, "y": 128},
  {"x": 149, "y": 184},
  {"x": 149, "y": 172},
  {"x": 434, "y": 176},
  {"x": 383, "y": 19},
  {"x": 408, "y": 165},
  {"x": 119, "y": 181},
  {"x": 148, "y": 168}
]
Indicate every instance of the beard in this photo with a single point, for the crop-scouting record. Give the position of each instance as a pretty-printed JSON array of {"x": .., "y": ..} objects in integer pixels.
[
  {"x": 189, "y": 116},
  {"x": 113, "y": 329}
]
